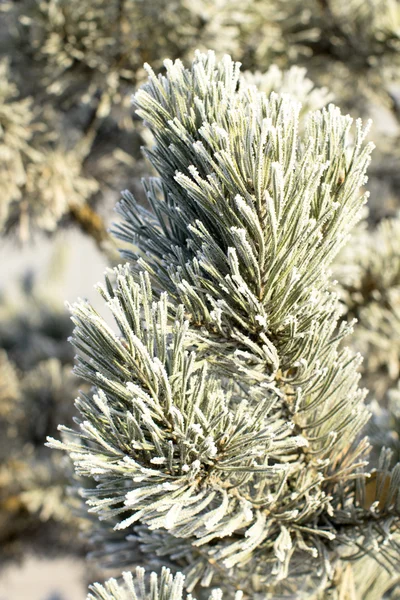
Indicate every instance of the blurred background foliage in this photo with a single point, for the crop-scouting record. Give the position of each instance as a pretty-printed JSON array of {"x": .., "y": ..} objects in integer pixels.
[{"x": 69, "y": 142}]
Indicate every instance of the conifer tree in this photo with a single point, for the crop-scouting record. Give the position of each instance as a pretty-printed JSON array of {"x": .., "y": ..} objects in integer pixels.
[
  {"x": 69, "y": 144},
  {"x": 223, "y": 436}
]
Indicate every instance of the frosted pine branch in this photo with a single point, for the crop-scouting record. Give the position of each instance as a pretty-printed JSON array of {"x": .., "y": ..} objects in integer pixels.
[
  {"x": 166, "y": 587},
  {"x": 224, "y": 431}
]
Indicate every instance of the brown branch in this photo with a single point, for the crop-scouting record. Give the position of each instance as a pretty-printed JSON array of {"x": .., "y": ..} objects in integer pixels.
[{"x": 90, "y": 223}]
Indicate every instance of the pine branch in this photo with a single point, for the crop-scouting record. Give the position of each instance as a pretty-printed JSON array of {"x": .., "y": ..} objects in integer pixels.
[
  {"x": 225, "y": 415},
  {"x": 166, "y": 587},
  {"x": 91, "y": 223}
]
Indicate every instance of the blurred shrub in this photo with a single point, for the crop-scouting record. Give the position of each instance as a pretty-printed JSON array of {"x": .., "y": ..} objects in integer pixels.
[{"x": 37, "y": 389}]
